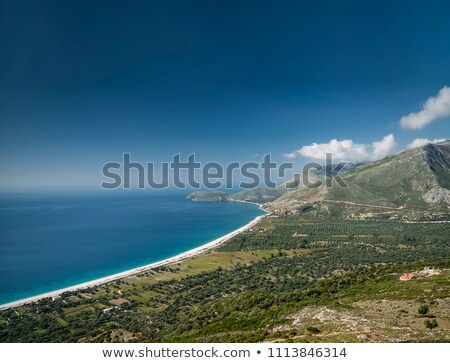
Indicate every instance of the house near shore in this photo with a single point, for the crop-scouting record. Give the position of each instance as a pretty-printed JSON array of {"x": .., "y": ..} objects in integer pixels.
[
  {"x": 118, "y": 302},
  {"x": 407, "y": 276}
]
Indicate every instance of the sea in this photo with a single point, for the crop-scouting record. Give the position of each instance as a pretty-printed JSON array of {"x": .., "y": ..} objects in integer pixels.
[{"x": 52, "y": 240}]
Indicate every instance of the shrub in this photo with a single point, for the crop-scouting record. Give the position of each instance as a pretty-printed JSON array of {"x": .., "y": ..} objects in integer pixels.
[
  {"x": 312, "y": 330},
  {"x": 431, "y": 324}
]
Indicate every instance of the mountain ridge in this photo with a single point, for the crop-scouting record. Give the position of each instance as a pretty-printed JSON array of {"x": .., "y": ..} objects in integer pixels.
[{"x": 416, "y": 179}]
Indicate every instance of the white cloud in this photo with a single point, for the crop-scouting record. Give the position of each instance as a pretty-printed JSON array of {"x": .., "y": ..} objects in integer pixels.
[
  {"x": 434, "y": 108},
  {"x": 382, "y": 148},
  {"x": 291, "y": 155},
  {"x": 347, "y": 149},
  {"x": 421, "y": 142}
]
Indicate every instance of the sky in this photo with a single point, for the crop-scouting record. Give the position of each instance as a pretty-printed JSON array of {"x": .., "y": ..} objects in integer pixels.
[{"x": 83, "y": 82}]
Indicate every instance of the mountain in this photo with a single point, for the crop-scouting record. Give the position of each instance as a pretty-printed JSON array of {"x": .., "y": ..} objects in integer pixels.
[
  {"x": 263, "y": 194},
  {"x": 412, "y": 181},
  {"x": 416, "y": 179},
  {"x": 315, "y": 175},
  {"x": 260, "y": 194}
]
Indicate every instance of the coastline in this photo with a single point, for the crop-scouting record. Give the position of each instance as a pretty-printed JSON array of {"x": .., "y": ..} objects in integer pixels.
[{"x": 182, "y": 256}]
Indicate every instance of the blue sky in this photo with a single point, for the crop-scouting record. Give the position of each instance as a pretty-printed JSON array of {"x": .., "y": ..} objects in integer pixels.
[{"x": 83, "y": 82}]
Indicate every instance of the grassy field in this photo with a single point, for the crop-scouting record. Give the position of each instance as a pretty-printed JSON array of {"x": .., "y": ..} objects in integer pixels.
[{"x": 379, "y": 310}]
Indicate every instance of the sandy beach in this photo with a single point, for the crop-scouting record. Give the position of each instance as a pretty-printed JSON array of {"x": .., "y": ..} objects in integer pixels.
[{"x": 177, "y": 258}]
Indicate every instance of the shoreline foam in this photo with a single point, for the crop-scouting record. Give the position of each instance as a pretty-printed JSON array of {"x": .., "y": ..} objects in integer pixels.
[{"x": 182, "y": 256}]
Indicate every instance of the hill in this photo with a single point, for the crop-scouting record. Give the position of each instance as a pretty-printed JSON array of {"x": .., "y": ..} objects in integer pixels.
[
  {"x": 262, "y": 194},
  {"x": 208, "y": 196},
  {"x": 417, "y": 179}
]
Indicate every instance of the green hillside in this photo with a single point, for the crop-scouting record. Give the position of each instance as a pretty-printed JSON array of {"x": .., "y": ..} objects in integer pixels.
[
  {"x": 208, "y": 196},
  {"x": 259, "y": 195}
]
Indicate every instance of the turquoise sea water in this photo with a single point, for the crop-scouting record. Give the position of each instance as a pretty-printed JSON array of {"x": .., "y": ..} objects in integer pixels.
[{"x": 51, "y": 241}]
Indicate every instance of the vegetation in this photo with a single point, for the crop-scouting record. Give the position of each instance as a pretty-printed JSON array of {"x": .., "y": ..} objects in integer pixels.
[
  {"x": 431, "y": 324},
  {"x": 423, "y": 310},
  {"x": 208, "y": 196},
  {"x": 313, "y": 330},
  {"x": 259, "y": 195}
]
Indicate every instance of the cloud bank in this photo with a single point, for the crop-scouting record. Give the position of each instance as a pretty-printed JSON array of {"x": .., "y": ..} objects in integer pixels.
[
  {"x": 422, "y": 141},
  {"x": 347, "y": 150},
  {"x": 433, "y": 109}
]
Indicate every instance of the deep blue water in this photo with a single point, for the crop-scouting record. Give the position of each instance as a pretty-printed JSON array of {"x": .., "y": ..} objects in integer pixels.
[{"x": 51, "y": 241}]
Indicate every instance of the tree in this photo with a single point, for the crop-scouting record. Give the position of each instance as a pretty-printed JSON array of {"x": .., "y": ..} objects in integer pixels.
[
  {"x": 431, "y": 324},
  {"x": 423, "y": 310}
]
